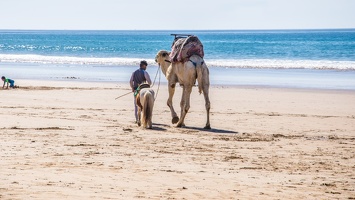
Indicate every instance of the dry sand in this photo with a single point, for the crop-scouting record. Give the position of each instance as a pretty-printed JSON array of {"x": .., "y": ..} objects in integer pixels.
[{"x": 73, "y": 140}]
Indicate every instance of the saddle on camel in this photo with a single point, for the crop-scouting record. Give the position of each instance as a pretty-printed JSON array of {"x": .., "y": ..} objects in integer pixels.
[{"x": 184, "y": 46}]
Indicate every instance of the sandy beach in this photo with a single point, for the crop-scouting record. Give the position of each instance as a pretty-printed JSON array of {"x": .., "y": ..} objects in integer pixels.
[{"x": 73, "y": 140}]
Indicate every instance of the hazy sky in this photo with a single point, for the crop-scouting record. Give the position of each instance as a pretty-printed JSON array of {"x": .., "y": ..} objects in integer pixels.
[{"x": 176, "y": 14}]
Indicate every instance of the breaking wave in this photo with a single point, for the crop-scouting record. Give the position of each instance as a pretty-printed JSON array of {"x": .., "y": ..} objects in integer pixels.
[
  {"x": 284, "y": 64},
  {"x": 225, "y": 63}
]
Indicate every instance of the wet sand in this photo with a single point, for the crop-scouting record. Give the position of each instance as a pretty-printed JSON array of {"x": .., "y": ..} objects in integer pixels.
[{"x": 73, "y": 140}]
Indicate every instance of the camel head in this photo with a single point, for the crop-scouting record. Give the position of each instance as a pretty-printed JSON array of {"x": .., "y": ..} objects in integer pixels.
[
  {"x": 163, "y": 59},
  {"x": 162, "y": 56}
]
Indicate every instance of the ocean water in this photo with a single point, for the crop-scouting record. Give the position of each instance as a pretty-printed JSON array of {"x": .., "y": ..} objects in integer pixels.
[{"x": 281, "y": 58}]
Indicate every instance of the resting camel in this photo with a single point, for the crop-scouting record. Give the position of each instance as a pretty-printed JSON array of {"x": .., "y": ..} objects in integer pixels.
[{"x": 185, "y": 73}]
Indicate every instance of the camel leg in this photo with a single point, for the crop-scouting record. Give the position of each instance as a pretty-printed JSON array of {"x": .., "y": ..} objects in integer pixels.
[
  {"x": 207, "y": 105},
  {"x": 139, "y": 116},
  {"x": 138, "y": 109},
  {"x": 150, "y": 125},
  {"x": 184, "y": 104},
  {"x": 174, "y": 116}
]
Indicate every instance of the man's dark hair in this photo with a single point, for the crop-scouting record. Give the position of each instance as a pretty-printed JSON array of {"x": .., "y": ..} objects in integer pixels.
[{"x": 143, "y": 62}]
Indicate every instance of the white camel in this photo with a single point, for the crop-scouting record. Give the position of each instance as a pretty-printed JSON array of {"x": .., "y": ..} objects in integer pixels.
[{"x": 186, "y": 74}]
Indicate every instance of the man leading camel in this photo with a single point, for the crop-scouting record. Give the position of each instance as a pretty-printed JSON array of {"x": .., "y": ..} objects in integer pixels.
[{"x": 138, "y": 77}]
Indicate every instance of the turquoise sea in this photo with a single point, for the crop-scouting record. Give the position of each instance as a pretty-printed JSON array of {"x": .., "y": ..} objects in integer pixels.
[{"x": 323, "y": 59}]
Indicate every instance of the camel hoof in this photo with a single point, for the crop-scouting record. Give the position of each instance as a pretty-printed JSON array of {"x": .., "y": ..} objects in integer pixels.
[
  {"x": 139, "y": 123},
  {"x": 207, "y": 127},
  {"x": 175, "y": 120}
]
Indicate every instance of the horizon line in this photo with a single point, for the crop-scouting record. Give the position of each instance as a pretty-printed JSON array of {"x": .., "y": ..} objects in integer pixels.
[{"x": 284, "y": 29}]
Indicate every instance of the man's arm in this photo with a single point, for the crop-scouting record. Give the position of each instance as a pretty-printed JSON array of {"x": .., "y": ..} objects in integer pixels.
[
  {"x": 147, "y": 77},
  {"x": 131, "y": 83}
]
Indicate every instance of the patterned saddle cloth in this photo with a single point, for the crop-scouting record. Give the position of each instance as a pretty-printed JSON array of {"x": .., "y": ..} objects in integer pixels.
[{"x": 183, "y": 48}]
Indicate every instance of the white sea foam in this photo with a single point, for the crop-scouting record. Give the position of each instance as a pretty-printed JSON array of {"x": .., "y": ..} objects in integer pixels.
[
  {"x": 227, "y": 63},
  {"x": 283, "y": 64},
  {"x": 10, "y": 58}
]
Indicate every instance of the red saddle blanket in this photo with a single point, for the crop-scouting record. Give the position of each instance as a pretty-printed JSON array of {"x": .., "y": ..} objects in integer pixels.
[{"x": 183, "y": 48}]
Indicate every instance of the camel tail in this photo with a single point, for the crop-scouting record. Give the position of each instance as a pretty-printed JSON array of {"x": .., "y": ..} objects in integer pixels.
[
  {"x": 148, "y": 104},
  {"x": 202, "y": 75}
]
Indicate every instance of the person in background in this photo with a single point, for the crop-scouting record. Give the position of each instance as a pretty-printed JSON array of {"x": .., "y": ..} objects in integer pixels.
[
  {"x": 138, "y": 77},
  {"x": 8, "y": 81}
]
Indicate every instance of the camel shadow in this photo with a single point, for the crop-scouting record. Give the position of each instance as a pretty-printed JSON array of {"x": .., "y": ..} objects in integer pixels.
[
  {"x": 212, "y": 130},
  {"x": 159, "y": 127},
  {"x": 164, "y": 127}
]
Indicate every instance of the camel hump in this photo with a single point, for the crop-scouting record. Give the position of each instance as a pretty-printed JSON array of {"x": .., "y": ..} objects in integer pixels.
[{"x": 184, "y": 48}]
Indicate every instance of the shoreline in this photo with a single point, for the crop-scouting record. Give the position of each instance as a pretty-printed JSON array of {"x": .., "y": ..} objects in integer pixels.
[
  {"x": 283, "y": 78},
  {"x": 121, "y": 84}
]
